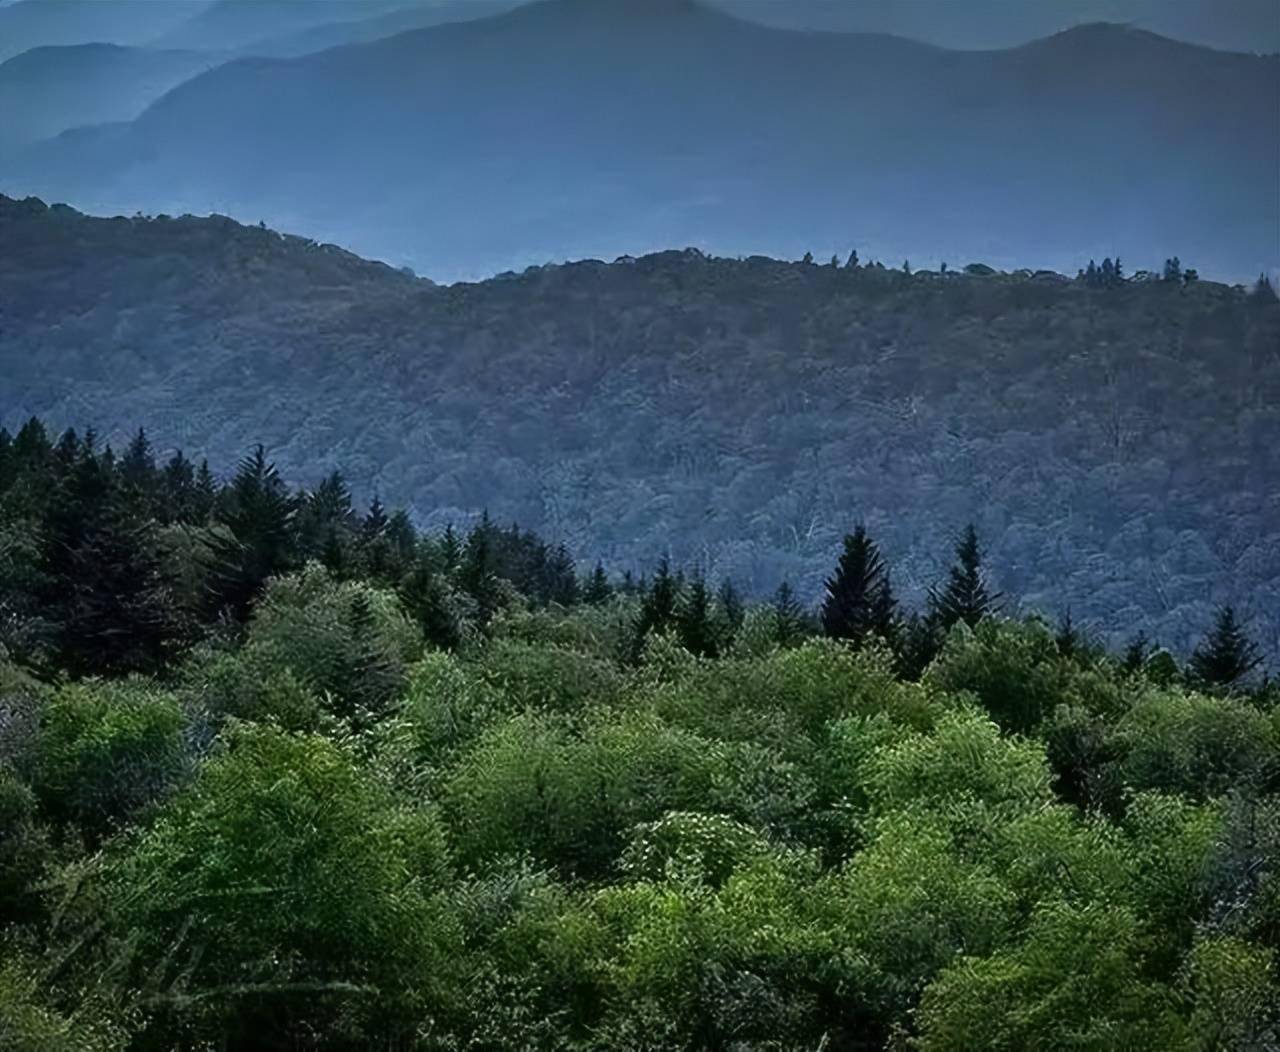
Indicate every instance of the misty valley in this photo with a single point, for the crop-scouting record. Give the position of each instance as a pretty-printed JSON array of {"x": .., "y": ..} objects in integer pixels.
[{"x": 639, "y": 526}]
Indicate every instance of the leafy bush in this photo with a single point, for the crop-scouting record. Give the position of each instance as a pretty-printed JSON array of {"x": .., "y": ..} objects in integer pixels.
[
  {"x": 105, "y": 751},
  {"x": 283, "y": 889}
]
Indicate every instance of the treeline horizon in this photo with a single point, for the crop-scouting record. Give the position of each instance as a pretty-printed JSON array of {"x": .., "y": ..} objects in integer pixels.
[{"x": 127, "y": 562}]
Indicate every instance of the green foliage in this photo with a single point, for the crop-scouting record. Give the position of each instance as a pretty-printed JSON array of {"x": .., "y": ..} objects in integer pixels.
[
  {"x": 105, "y": 751},
  {"x": 1013, "y": 670},
  {"x": 347, "y": 641},
  {"x": 1075, "y": 981},
  {"x": 24, "y": 850},
  {"x": 1178, "y": 742},
  {"x": 283, "y": 889}
]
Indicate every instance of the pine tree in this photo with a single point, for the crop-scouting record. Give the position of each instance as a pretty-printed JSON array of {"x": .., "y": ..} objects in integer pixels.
[
  {"x": 731, "y": 605},
  {"x": 478, "y": 573},
  {"x": 1172, "y": 269},
  {"x": 1226, "y": 655},
  {"x": 121, "y": 614},
  {"x": 965, "y": 597},
  {"x": 137, "y": 466},
  {"x": 859, "y": 600},
  {"x": 1136, "y": 653},
  {"x": 259, "y": 514},
  {"x": 1068, "y": 637},
  {"x": 597, "y": 588},
  {"x": 658, "y": 608},
  {"x": 426, "y": 596},
  {"x": 852, "y": 263},
  {"x": 694, "y": 622},
  {"x": 788, "y": 616}
]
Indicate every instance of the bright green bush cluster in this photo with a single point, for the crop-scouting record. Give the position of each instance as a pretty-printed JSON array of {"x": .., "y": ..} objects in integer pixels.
[{"x": 323, "y": 836}]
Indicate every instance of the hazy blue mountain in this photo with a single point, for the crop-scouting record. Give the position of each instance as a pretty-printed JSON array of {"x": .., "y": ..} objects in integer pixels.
[
  {"x": 419, "y": 15},
  {"x": 47, "y": 90},
  {"x": 573, "y": 128},
  {"x": 1117, "y": 447},
  {"x": 45, "y": 23},
  {"x": 232, "y": 24},
  {"x": 1233, "y": 25}
]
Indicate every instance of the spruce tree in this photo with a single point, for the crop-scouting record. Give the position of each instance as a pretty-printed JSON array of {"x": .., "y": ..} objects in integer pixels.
[
  {"x": 694, "y": 621},
  {"x": 477, "y": 573},
  {"x": 1226, "y": 655},
  {"x": 121, "y": 614},
  {"x": 788, "y": 616},
  {"x": 1136, "y": 653},
  {"x": 658, "y": 608},
  {"x": 965, "y": 598},
  {"x": 426, "y": 596},
  {"x": 259, "y": 541},
  {"x": 859, "y": 600},
  {"x": 597, "y": 588},
  {"x": 731, "y": 606}
]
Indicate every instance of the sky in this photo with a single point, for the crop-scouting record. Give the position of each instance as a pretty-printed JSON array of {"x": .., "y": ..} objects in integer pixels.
[{"x": 1240, "y": 25}]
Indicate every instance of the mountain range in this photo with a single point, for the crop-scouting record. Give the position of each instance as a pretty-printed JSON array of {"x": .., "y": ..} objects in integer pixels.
[
  {"x": 1116, "y": 446},
  {"x": 569, "y": 128}
]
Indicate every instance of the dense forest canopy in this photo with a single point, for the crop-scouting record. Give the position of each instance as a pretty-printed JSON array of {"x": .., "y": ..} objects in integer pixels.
[
  {"x": 280, "y": 771},
  {"x": 1114, "y": 436}
]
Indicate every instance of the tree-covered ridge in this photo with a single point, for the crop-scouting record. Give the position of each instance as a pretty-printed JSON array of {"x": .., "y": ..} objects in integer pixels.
[
  {"x": 1113, "y": 441},
  {"x": 281, "y": 771}
]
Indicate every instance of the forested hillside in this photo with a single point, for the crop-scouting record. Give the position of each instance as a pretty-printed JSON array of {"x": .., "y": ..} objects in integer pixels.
[
  {"x": 281, "y": 772},
  {"x": 1115, "y": 441}
]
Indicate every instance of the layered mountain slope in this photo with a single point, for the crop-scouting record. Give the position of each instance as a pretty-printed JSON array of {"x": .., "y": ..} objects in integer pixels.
[
  {"x": 1116, "y": 447},
  {"x": 598, "y": 127},
  {"x": 49, "y": 23},
  {"x": 47, "y": 90}
]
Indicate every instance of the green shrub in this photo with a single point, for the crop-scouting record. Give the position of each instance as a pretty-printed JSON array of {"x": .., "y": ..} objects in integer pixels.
[
  {"x": 105, "y": 751},
  {"x": 286, "y": 892}
]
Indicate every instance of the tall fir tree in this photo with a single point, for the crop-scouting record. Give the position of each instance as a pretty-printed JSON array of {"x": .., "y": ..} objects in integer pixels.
[
  {"x": 966, "y": 596},
  {"x": 259, "y": 539},
  {"x": 859, "y": 599},
  {"x": 694, "y": 621},
  {"x": 789, "y": 617},
  {"x": 1226, "y": 656},
  {"x": 658, "y": 608},
  {"x": 597, "y": 588}
]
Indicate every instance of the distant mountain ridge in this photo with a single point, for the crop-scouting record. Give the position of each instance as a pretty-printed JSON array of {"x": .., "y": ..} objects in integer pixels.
[
  {"x": 48, "y": 90},
  {"x": 1117, "y": 447},
  {"x": 570, "y": 128}
]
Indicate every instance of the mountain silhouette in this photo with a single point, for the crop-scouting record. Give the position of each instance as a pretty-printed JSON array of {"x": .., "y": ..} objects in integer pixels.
[{"x": 571, "y": 128}]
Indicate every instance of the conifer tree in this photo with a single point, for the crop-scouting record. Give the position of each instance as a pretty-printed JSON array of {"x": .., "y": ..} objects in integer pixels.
[
  {"x": 852, "y": 262},
  {"x": 1226, "y": 655},
  {"x": 1136, "y": 653},
  {"x": 658, "y": 609},
  {"x": 731, "y": 605},
  {"x": 859, "y": 600},
  {"x": 137, "y": 465},
  {"x": 965, "y": 598},
  {"x": 1068, "y": 636},
  {"x": 121, "y": 612},
  {"x": 597, "y": 588},
  {"x": 694, "y": 621},
  {"x": 478, "y": 572},
  {"x": 788, "y": 616},
  {"x": 259, "y": 514},
  {"x": 426, "y": 596}
]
